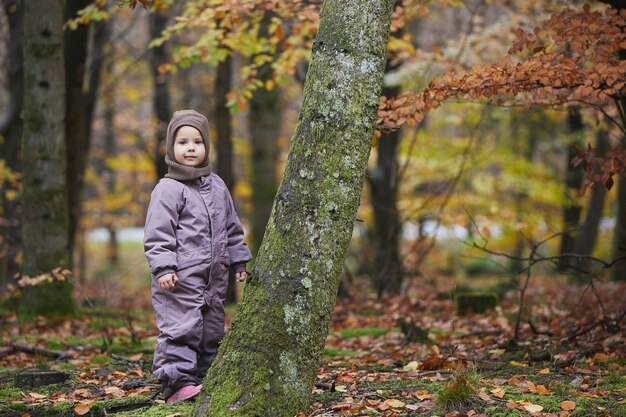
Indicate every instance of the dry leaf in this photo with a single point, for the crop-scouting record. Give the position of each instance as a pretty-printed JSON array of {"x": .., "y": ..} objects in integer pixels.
[
  {"x": 36, "y": 395},
  {"x": 498, "y": 392},
  {"x": 394, "y": 403},
  {"x": 82, "y": 409},
  {"x": 544, "y": 371},
  {"x": 532, "y": 408},
  {"x": 542, "y": 390},
  {"x": 568, "y": 405}
]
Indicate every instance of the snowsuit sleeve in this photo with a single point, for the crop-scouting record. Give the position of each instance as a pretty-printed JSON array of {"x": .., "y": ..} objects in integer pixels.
[
  {"x": 238, "y": 251},
  {"x": 160, "y": 230}
]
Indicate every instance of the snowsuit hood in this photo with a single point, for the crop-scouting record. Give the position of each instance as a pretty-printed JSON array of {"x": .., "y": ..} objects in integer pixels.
[{"x": 178, "y": 171}]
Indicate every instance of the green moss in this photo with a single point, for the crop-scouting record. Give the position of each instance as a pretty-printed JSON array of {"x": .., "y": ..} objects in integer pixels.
[
  {"x": 365, "y": 331},
  {"x": 614, "y": 380},
  {"x": 330, "y": 352},
  {"x": 476, "y": 302},
  {"x": 10, "y": 394}
]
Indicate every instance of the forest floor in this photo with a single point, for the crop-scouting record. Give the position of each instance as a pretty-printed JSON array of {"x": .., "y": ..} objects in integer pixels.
[{"x": 396, "y": 356}]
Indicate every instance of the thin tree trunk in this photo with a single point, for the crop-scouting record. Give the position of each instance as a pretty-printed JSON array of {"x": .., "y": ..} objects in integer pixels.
[
  {"x": 11, "y": 132},
  {"x": 269, "y": 359},
  {"x": 387, "y": 267},
  {"x": 223, "y": 126},
  {"x": 161, "y": 103},
  {"x": 264, "y": 124},
  {"x": 618, "y": 271},
  {"x": 110, "y": 150},
  {"x": 45, "y": 214},
  {"x": 76, "y": 132},
  {"x": 588, "y": 235},
  {"x": 573, "y": 182}
]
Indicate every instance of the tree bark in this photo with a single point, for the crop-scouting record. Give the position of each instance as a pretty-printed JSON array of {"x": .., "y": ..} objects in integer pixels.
[
  {"x": 264, "y": 125},
  {"x": 618, "y": 271},
  {"x": 573, "y": 182},
  {"x": 387, "y": 267},
  {"x": 45, "y": 214},
  {"x": 11, "y": 133},
  {"x": 268, "y": 361},
  {"x": 588, "y": 235},
  {"x": 223, "y": 126},
  {"x": 76, "y": 132},
  {"x": 161, "y": 102}
]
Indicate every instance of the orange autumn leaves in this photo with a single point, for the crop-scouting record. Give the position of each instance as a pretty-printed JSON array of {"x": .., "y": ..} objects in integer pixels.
[{"x": 571, "y": 58}]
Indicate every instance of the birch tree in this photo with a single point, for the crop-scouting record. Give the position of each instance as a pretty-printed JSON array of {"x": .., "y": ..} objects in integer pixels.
[{"x": 269, "y": 359}]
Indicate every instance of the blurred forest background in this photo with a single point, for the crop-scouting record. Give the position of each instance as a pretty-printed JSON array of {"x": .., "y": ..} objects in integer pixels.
[{"x": 481, "y": 185}]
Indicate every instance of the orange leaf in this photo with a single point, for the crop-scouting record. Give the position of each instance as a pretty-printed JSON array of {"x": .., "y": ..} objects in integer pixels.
[
  {"x": 568, "y": 405},
  {"x": 82, "y": 409}
]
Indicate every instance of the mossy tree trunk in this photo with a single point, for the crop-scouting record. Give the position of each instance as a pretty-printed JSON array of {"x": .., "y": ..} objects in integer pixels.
[
  {"x": 268, "y": 361},
  {"x": 45, "y": 206}
]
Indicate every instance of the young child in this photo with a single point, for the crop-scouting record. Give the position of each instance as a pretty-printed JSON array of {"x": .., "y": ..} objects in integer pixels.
[{"x": 192, "y": 236}]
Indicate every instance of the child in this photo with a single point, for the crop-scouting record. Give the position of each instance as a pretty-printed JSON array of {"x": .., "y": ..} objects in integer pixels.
[{"x": 192, "y": 236}]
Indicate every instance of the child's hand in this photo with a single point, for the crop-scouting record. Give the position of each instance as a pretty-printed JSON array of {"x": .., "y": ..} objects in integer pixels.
[
  {"x": 241, "y": 276},
  {"x": 167, "y": 281}
]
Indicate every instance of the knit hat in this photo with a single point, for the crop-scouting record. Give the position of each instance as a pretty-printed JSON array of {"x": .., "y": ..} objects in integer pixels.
[{"x": 182, "y": 172}]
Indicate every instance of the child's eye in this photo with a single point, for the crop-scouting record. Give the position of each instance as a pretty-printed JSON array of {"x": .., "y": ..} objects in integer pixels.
[
  {"x": 181, "y": 141},
  {"x": 199, "y": 142}
]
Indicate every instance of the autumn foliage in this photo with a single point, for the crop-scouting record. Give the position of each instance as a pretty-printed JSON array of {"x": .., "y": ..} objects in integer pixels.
[{"x": 571, "y": 59}]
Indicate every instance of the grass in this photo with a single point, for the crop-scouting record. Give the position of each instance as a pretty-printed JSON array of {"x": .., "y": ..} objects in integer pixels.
[{"x": 460, "y": 392}]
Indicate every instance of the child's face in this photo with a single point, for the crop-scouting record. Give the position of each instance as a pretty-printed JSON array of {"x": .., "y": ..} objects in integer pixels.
[{"x": 188, "y": 146}]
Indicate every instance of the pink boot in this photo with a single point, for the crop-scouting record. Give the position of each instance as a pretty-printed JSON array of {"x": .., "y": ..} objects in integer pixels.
[{"x": 185, "y": 393}]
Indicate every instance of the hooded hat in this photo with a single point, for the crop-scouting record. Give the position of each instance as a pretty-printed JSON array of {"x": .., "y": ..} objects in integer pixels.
[{"x": 182, "y": 172}]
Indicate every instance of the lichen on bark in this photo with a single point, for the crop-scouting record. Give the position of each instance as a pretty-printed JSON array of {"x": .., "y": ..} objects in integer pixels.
[{"x": 268, "y": 361}]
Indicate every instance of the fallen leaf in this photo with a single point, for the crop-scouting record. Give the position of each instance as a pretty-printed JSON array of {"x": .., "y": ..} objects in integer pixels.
[
  {"x": 516, "y": 363},
  {"x": 394, "y": 403},
  {"x": 532, "y": 408},
  {"x": 174, "y": 415},
  {"x": 544, "y": 371},
  {"x": 542, "y": 390},
  {"x": 498, "y": 392},
  {"x": 568, "y": 405},
  {"x": 114, "y": 391},
  {"x": 411, "y": 366},
  {"x": 36, "y": 395},
  {"x": 82, "y": 409}
]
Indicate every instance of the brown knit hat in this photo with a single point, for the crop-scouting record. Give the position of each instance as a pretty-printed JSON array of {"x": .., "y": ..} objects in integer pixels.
[{"x": 178, "y": 171}]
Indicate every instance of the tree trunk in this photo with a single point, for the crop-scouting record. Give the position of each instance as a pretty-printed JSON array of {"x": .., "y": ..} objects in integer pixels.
[
  {"x": 586, "y": 238},
  {"x": 383, "y": 181},
  {"x": 264, "y": 124},
  {"x": 110, "y": 150},
  {"x": 45, "y": 213},
  {"x": 573, "y": 182},
  {"x": 268, "y": 361},
  {"x": 11, "y": 133},
  {"x": 76, "y": 132},
  {"x": 161, "y": 103},
  {"x": 223, "y": 126},
  {"x": 618, "y": 271}
]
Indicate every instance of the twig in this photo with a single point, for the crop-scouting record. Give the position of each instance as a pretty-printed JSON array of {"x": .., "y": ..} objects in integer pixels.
[{"x": 34, "y": 350}]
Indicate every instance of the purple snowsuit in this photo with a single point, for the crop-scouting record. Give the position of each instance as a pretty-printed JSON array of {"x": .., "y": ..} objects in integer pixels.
[{"x": 191, "y": 229}]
